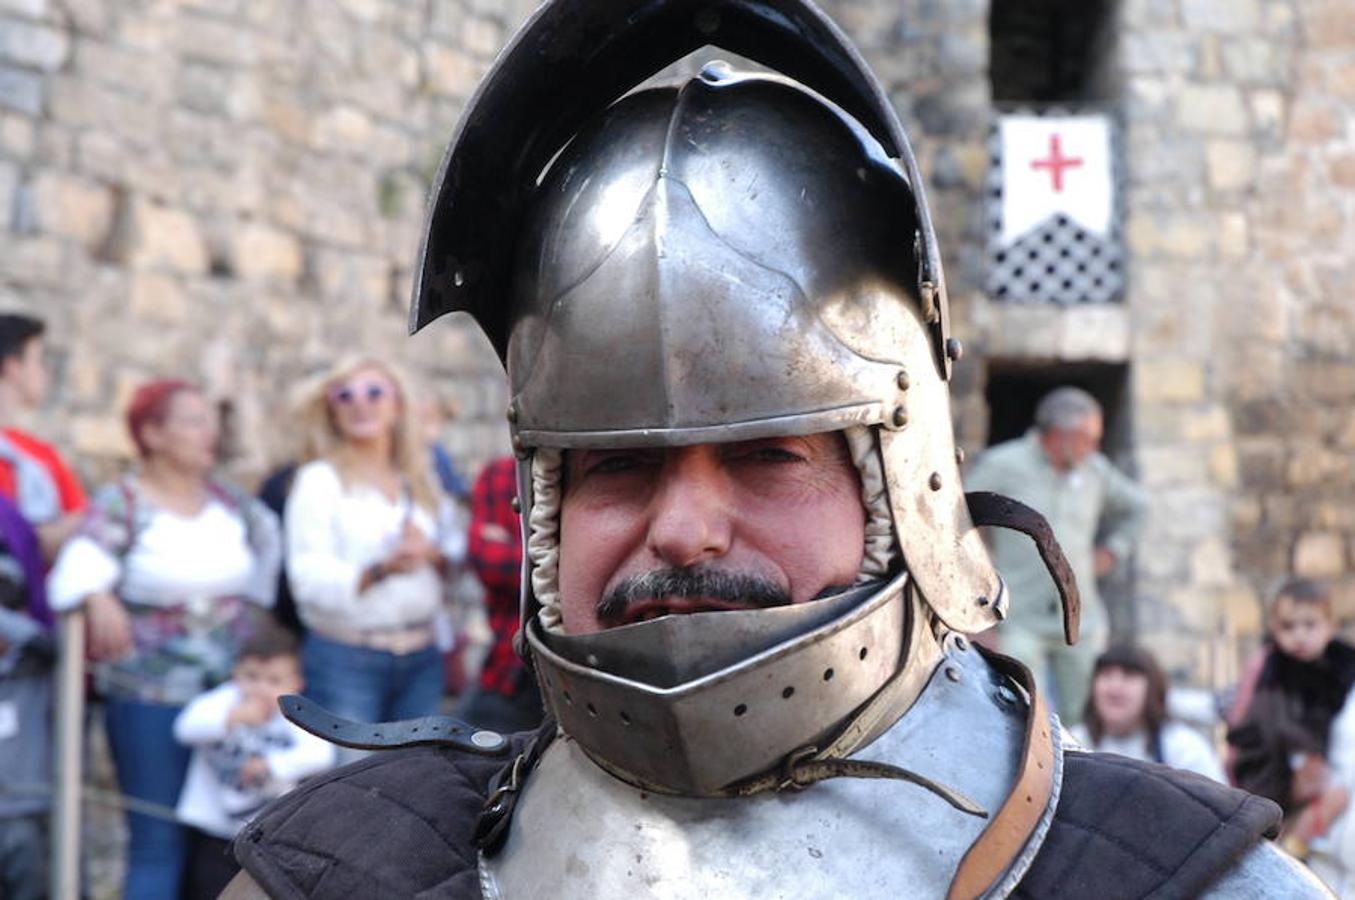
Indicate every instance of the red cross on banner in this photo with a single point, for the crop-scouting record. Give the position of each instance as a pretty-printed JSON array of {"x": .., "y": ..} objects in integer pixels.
[
  {"x": 1056, "y": 162},
  {"x": 1055, "y": 165}
]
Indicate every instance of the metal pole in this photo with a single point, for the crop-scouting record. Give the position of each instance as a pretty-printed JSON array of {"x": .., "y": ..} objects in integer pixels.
[{"x": 70, "y": 716}]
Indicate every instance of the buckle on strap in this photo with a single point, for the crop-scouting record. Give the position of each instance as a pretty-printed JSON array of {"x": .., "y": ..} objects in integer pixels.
[{"x": 505, "y": 788}]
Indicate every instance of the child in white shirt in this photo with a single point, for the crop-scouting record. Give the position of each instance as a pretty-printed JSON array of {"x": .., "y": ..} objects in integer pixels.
[{"x": 245, "y": 753}]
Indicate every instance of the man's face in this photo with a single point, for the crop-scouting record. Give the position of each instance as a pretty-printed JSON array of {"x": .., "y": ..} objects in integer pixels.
[
  {"x": 268, "y": 679},
  {"x": 648, "y": 532},
  {"x": 1301, "y": 630},
  {"x": 27, "y": 373},
  {"x": 1066, "y": 448}
]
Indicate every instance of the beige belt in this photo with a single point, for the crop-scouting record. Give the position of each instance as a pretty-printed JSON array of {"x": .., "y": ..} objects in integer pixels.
[{"x": 400, "y": 641}]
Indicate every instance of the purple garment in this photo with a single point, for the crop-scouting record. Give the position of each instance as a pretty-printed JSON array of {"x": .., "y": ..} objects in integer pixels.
[{"x": 22, "y": 542}]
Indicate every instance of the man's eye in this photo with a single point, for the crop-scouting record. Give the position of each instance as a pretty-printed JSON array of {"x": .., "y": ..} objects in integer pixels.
[
  {"x": 771, "y": 455},
  {"x": 614, "y": 463}
]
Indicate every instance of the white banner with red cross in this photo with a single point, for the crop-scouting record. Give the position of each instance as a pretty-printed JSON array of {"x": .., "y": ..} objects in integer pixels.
[{"x": 1055, "y": 165}]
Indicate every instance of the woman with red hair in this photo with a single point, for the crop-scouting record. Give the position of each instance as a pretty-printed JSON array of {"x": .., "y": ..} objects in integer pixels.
[{"x": 172, "y": 567}]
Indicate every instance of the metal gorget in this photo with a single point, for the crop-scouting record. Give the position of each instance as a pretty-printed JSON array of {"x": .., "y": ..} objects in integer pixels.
[{"x": 580, "y": 832}]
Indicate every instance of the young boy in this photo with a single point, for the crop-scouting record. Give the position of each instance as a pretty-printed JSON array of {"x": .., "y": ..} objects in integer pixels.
[
  {"x": 245, "y": 753},
  {"x": 32, "y": 473},
  {"x": 1290, "y": 739}
]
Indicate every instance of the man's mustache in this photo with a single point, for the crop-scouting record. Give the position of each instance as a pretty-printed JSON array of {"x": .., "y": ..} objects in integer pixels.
[{"x": 689, "y": 584}]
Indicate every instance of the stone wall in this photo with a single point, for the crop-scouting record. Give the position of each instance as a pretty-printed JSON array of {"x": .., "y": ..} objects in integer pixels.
[
  {"x": 232, "y": 190},
  {"x": 1241, "y": 126}
]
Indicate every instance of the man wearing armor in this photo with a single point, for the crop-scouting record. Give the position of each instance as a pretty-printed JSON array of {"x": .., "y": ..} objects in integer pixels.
[{"x": 751, "y": 567}]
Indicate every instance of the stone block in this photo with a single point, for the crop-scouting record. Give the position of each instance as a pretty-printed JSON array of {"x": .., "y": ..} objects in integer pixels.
[
  {"x": 1343, "y": 601},
  {"x": 1211, "y": 563},
  {"x": 1267, "y": 112},
  {"x": 149, "y": 75},
  {"x": 205, "y": 88},
  {"x": 20, "y": 90},
  {"x": 101, "y": 436},
  {"x": 1334, "y": 516},
  {"x": 1142, "y": 15},
  {"x": 1231, "y": 164},
  {"x": 1342, "y": 170},
  {"x": 351, "y": 277},
  {"x": 1207, "y": 426},
  {"x": 159, "y": 237},
  {"x": 1346, "y": 436},
  {"x": 87, "y": 17},
  {"x": 75, "y": 207},
  {"x": 1319, "y": 554},
  {"x": 1242, "y": 610},
  {"x": 1327, "y": 381},
  {"x": 1315, "y": 121},
  {"x": 1223, "y": 465},
  {"x": 1169, "y": 380},
  {"x": 18, "y": 136},
  {"x": 482, "y": 37},
  {"x": 1212, "y": 109},
  {"x": 1255, "y": 60},
  {"x": 33, "y": 46},
  {"x": 33, "y": 260},
  {"x": 158, "y": 297},
  {"x": 449, "y": 72},
  {"x": 1158, "y": 52},
  {"x": 1234, "y": 235},
  {"x": 1160, "y": 466},
  {"x": 1343, "y": 81},
  {"x": 1262, "y": 461},
  {"x": 9, "y": 187},
  {"x": 218, "y": 41},
  {"x": 1246, "y": 513},
  {"x": 1313, "y": 465},
  {"x": 1328, "y": 24},
  {"x": 1226, "y": 16},
  {"x": 387, "y": 57},
  {"x": 259, "y": 251},
  {"x": 342, "y": 129}
]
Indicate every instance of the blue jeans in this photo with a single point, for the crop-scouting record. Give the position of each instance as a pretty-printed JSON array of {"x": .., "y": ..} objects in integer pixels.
[
  {"x": 369, "y": 685},
  {"x": 152, "y": 766}
]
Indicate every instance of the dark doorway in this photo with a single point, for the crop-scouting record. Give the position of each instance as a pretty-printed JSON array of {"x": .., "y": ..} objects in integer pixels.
[
  {"x": 1049, "y": 51},
  {"x": 1015, "y": 387}
]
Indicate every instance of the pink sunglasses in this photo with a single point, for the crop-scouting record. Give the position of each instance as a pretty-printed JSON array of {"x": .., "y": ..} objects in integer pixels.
[{"x": 370, "y": 389}]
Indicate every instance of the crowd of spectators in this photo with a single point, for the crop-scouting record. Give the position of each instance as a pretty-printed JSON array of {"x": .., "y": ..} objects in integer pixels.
[
  {"x": 179, "y": 573},
  {"x": 204, "y": 604}
]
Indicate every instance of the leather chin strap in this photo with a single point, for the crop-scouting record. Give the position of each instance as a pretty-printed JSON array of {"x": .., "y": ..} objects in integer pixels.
[
  {"x": 1000, "y": 511},
  {"x": 434, "y": 730},
  {"x": 1008, "y": 831}
]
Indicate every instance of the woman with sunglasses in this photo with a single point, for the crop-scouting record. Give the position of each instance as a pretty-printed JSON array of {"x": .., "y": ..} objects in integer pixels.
[
  {"x": 174, "y": 569},
  {"x": 366, "y": 531}
]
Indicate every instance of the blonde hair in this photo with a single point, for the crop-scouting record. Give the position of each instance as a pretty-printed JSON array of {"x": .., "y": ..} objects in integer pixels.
[{"x": 322, "y": 440}]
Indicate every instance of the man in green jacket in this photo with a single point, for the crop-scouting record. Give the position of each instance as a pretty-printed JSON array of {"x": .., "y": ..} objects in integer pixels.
[{"x": 1096, "y": 512}]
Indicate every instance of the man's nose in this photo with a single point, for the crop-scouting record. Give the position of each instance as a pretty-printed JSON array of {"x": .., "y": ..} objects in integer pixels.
[{"x": 690, "y": 518}]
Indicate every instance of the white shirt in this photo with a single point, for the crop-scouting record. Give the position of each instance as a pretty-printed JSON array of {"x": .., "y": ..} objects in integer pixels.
[
  {"x": 1182, "y": 748},
  {"x": 174, "y": 559},
  {"x": 213, "y": 798},
  {"x": 334, "y": 532}
]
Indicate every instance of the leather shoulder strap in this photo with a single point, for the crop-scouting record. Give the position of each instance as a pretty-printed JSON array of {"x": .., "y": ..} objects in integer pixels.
[{"x": 1011, "y": 827}]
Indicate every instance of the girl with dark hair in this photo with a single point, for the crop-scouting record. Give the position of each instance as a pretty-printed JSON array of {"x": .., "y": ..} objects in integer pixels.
[{"x": 1126, "y": 714}]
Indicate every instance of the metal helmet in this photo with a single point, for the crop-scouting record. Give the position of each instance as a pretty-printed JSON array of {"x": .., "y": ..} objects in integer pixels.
[{"x": 739, "y": 256}]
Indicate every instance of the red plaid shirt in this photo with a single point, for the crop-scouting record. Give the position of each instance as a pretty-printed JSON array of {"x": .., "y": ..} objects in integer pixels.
[{"x": 496, "y": 554}]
